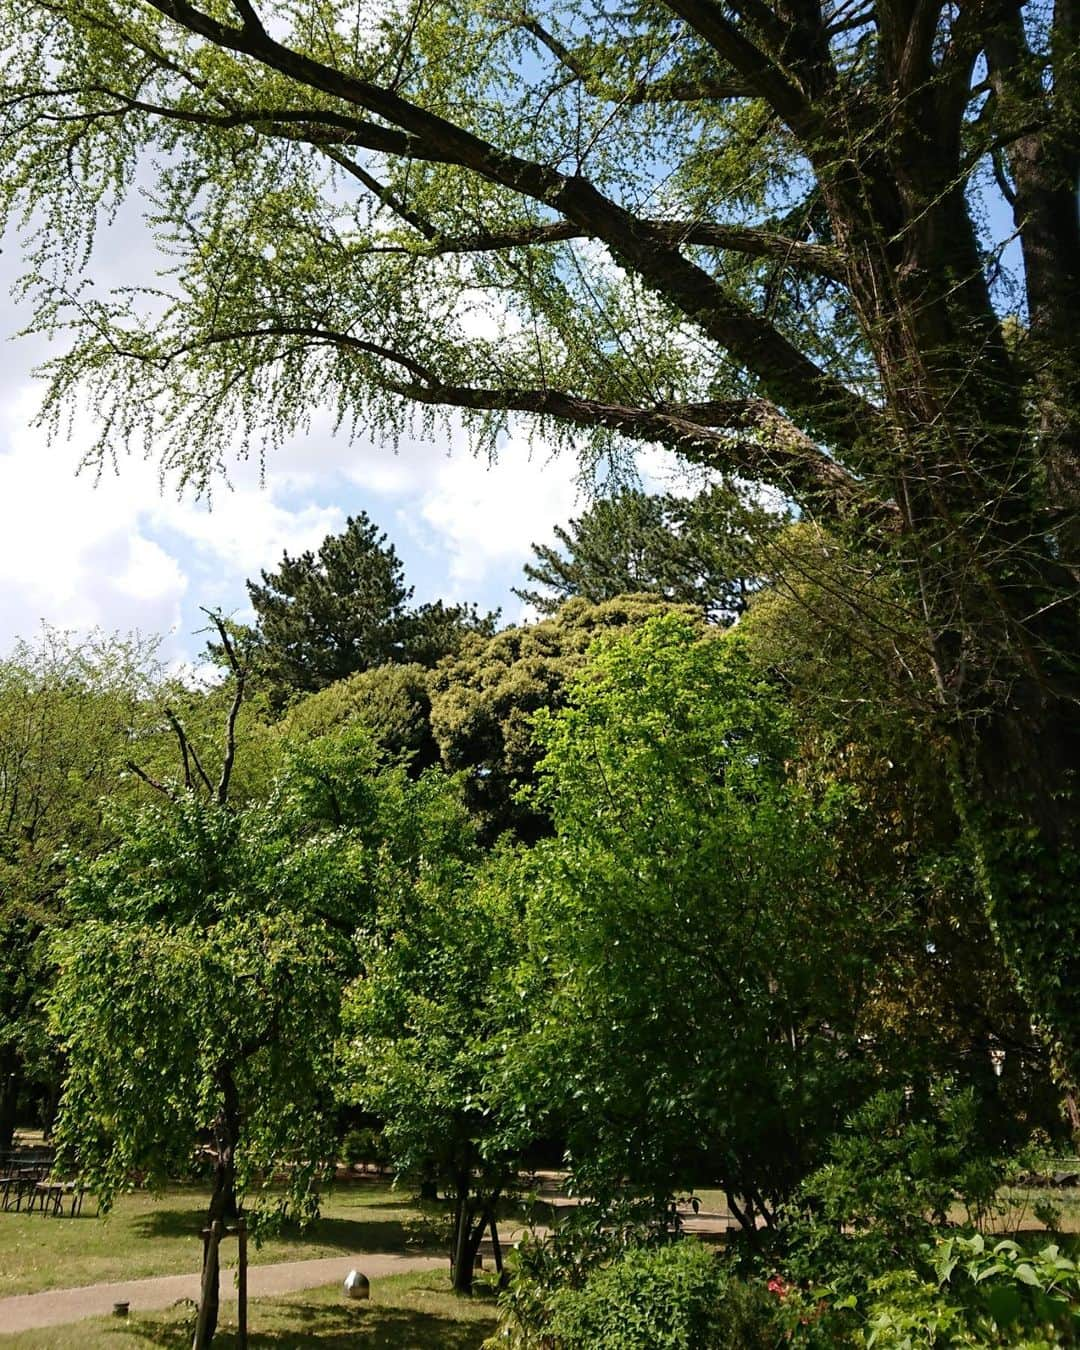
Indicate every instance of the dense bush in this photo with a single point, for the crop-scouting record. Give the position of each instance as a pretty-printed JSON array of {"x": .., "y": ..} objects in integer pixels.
[
  {"x": 890, "y": 1182},
  {"x": 675, "y": 1296}
]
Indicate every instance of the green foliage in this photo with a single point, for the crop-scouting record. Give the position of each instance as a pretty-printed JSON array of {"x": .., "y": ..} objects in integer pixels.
[
  {"x": 889, "y": 1184},
  {"x": 692, "y": 550},
  {"x": 425, "y": 1027},
  {"x": 392, "y": 701},
  {"x": 967, "y": 1291},
  {"x": 321, "y": 618},
  {"x": 201, "y": 979},
  {"x": 694, "y": 967},
  {"x": 483, "y": 701},
  {"x": 660, "y": 225},
  {"x": 69, "y": 716},
  {"x": 675, "y": 1297},
  {"x": 847, "y": 648}
]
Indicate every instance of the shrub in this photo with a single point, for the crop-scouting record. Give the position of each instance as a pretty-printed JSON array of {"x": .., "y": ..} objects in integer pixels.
[
  {"x": 676, "y": 1297},
  {"x": 887, "y": 1188}
]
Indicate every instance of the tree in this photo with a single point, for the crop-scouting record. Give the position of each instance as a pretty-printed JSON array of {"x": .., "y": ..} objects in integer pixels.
[
  {"x": 694, "y": 550},
  {"x": 197, "y": 1006},
  {"x": 427, "y": 1026},
  {"x": 853, "y": 666},
  {"x": 393, "y": 702},
  {"x": 483, "y": 702},
  {"x": 201, "y": 978},
  {"x": 322, "y": 618},
  {"x": 68, "y": 715},
  {"x": 697, "y": 964},
  {"x": 766, "y": 233}
]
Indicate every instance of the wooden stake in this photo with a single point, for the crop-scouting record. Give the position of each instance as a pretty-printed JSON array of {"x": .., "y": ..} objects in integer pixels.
[
  {"x": 241, "y": 1284},
  {"x": 210, "y": 1273}
]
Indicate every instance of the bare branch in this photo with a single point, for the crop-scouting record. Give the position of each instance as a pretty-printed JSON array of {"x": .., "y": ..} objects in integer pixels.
[
  {"x": 240, "y": 674},
  {"x": 187, "y": 750},
  {"x": 151, "y": 782},
  {"x": 181, "y": 736}
]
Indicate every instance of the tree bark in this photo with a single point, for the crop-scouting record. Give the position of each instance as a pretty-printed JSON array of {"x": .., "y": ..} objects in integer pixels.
[
  {"x": 10, "y": 1084},
  {"x": 223, "y": 1206}
]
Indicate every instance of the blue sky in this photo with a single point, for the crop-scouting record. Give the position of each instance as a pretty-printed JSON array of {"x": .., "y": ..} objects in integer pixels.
[{"x": 125, "y": 553}]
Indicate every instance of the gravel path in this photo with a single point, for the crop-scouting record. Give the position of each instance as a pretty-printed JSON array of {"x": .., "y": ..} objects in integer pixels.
[{"x": 54, "y": 1307}]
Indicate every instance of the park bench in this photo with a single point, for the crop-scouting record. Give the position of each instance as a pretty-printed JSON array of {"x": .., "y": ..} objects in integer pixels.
[
  {"x": 50, "y": 1194},
  {"x": 19, "y": 1178}
]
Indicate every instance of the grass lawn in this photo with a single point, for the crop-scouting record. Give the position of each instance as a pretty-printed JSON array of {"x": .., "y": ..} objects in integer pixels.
[
  {"x": 406, "y": 1312},
  {"x": 159, "y": 1235}
]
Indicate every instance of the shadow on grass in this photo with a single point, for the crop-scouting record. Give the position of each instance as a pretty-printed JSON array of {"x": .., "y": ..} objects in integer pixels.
[
  {"x": 347, "y": 1235},
  {"x": 339, "y": 1328}
]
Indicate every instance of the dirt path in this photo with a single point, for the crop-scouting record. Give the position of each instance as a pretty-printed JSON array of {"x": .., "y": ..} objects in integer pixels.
[{"x": 54, "y": 1307}]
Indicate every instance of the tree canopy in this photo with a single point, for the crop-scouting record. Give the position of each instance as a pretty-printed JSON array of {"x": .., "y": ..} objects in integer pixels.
[
  {"x": 692, "y": 550},
  {"x": 483, "y": 702},
  {"x": 69, "y": 713},
  {"x": 772, "y": 236}
]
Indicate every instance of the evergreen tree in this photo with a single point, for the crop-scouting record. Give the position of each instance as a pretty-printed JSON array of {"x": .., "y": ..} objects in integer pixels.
[
  {"x": 697, "y": 551},
  {"x": 324, "y": 616}
]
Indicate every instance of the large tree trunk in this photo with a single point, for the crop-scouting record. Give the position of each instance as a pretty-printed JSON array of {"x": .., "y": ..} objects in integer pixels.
[
  {"x": 1017, "y": 793},
  {"x": 985, "y": 497}
]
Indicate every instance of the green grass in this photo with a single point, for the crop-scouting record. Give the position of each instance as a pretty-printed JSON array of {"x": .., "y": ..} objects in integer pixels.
[
  {"x": 406, "y": 1312},
  {"x": 159, "y": 1235}
]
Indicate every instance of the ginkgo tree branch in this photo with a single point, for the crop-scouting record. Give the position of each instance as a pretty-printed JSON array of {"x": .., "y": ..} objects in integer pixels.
[
  {"x": 827, "y": 406},
  {"x": 819, "y": 258},
  {"x": 750, "y": 437}
]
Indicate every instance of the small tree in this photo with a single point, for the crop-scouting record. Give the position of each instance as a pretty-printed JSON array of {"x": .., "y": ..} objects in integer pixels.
[
  {"x": 427, "y": 1027},
  {"x": 199, "y": 995},
  {"x": 696, "y": 965}
]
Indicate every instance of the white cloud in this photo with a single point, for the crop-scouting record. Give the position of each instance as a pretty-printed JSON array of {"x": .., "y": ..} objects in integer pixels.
[
  {"x": 119, "y": 552},
  {"x": 486, "y": 518}
]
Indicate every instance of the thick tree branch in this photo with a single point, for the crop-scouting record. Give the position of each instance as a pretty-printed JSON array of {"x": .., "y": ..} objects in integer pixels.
[
  {"x": 827, "y": 406},
  {"x": 817, "y": 258},
  {"x": 775, "y": 451},
  {"x": 763, "y": 75}
]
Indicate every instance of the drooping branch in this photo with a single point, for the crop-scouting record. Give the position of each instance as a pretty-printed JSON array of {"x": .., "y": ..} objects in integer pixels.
[
  {"x": 772, "y": 448},
  {"x": 824, "y": 403},
  {"x": 664, "y": 89}
]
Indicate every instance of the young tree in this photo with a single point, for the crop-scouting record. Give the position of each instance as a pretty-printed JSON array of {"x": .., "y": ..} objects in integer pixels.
[
  {"x": 68, "y": 715},
  {"x": 769, "y": 234},
  {"x": 698, "y": 966},
  {"x": 695, "y": 551},
  {"x": 427, "y": 1026},
  {"x": 201, "y": 978}
]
